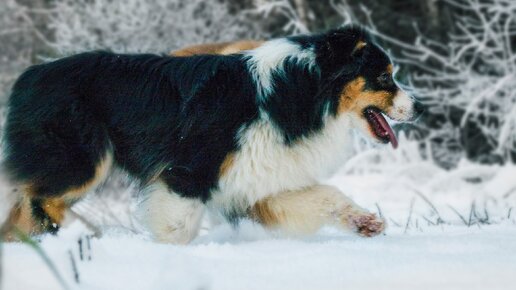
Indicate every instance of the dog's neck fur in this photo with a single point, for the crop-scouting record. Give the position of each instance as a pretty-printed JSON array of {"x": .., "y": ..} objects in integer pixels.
[
  {"x": 288, "y": 84},
  {"x": 270, "y": 58},
  {"x": 265, "y": 165}
]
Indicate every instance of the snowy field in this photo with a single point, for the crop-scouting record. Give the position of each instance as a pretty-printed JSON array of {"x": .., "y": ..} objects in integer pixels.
[
  {"x": 441, "y": 257},
  {"x": 446, "y": 229}
]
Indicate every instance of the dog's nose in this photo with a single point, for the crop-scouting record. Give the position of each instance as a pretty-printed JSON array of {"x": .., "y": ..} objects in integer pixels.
[{"x": 419, "y": 109}]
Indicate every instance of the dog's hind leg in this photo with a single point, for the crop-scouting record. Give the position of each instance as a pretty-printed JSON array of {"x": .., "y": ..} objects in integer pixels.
[
  {"x": 33, "y": 216},
  {"x": 306, "y": 211},
  {"x": 39, "y": 209},
  {"x": 52, "y": 160},
  {"x": 169, "y": 217}
]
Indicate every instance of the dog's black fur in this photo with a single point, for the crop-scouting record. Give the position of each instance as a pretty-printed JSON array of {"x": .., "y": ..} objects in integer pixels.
[{"x": 177, "y": 117}]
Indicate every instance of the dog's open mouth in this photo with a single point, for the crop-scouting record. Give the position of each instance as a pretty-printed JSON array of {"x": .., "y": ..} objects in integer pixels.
[{"x": 380, "y": 127}]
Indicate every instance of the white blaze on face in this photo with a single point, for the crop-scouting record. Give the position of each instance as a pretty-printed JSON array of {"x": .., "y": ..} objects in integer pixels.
[{"x": 402, "y": 108}]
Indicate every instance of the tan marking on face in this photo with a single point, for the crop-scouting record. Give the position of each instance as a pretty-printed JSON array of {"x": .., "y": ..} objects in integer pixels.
[
  {"x": 226, "y": 164},
  {"x": 389, "y": 69},
  {"x": 360, "y": 44},
  {"x": 354, "y": 98}
]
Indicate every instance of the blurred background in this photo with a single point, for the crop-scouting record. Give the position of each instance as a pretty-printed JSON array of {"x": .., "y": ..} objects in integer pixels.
[{"x": 457, "y": 56}]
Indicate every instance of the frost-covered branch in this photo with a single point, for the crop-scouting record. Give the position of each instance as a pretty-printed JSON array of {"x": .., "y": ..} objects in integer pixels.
[
  {"x": 296, "y": 22},
  {"x": 142, "y": 25},
  {"x": 470, "y": 79},
  {"x": 19, "y": 37}
]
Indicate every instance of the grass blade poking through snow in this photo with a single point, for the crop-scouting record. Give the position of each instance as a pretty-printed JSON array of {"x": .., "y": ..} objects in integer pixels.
[{"x": 24, "y": 238}]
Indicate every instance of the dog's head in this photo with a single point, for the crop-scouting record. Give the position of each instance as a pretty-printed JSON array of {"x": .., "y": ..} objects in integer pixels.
[{"x": 361, "y": 74}]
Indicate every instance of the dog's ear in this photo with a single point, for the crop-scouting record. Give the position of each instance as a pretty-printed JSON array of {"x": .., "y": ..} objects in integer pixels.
[
  {"x": 343, "y": 49},
  {"x": 346, "y": 42}
]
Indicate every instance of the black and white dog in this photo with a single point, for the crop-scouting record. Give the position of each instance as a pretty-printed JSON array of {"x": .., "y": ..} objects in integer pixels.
[{"x": 249, "y": 134}]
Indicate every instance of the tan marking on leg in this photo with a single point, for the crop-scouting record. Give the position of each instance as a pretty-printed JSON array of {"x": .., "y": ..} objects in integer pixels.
[
  {"x": 301, "y": 211},
  {"x": 55, "y": 208},
  {"x": 306, "y": 211},
  {"x": 19, "y": 219},
  {"x": 226, "y": 164},
  {"x": 75, "y": 193},
  {"x": 101, "y": 172},
  {"x": 265, "y": 213},
  {"x": 21, "y": 216}
]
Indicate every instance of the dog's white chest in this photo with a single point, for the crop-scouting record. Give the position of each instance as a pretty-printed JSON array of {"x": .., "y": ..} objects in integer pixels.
[{"x": 265, "y": 166}]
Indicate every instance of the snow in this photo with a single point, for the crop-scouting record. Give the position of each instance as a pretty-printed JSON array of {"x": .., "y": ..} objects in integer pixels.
[
  {"x": 448, "y": 258},
  {"x": 446, "y": 229}
]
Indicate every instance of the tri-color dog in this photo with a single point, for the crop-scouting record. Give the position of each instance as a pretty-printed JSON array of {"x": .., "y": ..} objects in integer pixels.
[{"x": 248, "y": 134}]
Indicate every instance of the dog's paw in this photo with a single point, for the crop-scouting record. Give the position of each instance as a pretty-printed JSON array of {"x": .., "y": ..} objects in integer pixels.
[{"x": 366, "y": 224}]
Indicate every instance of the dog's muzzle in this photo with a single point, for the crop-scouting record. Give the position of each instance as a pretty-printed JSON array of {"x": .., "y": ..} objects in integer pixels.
[{"x": 405, "y": 108}]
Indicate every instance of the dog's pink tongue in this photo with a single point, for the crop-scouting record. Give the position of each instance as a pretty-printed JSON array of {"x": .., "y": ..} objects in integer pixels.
[{"x": 387, "y": 128}]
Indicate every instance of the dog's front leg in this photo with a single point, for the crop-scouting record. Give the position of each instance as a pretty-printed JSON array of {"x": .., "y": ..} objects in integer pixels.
[
  {"x": 169, "y": 217},
  {"x": 307, "y": 210}
]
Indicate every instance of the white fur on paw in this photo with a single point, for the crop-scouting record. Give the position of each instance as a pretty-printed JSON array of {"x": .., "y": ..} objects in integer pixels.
[
  {"x": 168, "y": 217},
  {"x": 366, "y": 224}
]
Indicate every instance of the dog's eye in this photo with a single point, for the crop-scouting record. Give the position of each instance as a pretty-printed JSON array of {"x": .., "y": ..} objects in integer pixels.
[{"x": 385, "y": 79}]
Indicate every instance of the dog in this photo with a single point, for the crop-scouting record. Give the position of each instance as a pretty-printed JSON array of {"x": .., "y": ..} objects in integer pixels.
[{"x": 249, "y": 134}]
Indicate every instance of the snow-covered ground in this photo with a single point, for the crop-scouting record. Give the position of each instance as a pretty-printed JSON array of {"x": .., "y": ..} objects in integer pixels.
[
  {"x": 443, "y": 258},
  {"x": 446, "y": 229}
]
